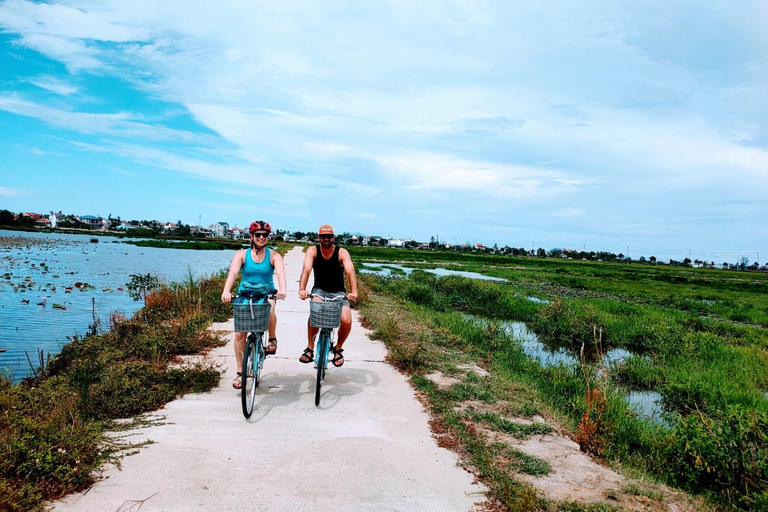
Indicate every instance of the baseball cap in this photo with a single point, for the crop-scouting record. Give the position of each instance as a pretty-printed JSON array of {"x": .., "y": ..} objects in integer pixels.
[{"x": 325, "y": 229}]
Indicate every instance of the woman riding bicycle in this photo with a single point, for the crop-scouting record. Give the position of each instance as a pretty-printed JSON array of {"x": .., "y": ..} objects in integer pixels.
[{"x": 258, "y": 264}]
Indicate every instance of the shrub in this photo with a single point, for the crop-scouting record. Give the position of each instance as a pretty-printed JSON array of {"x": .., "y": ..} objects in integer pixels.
[{"x": 725, "y": 453}]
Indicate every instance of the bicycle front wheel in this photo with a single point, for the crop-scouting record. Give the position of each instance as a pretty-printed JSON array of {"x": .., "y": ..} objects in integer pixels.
[
  {"x": 323, "y": 340},
  {"x": 250, "y": 380}
]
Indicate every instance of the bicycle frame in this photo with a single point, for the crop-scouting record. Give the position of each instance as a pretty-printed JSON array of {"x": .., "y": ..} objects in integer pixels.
[
  {"x": 323, "y": 347},
  {"x": 254, "y": 353}
]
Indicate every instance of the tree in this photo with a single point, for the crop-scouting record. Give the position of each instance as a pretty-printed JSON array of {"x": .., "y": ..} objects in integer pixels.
[
  {"x": 541, "y": 252},
  {"x": 653, "y": 259},
  {"x": 687, "y": 262},
  {"x": 743, "y": 262},
  {"x": 7, "y": 218}
]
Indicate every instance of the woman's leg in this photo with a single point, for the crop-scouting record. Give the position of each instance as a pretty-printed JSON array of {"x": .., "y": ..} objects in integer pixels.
[
  {"x": 272, "y": 341},
  {"x": 239, "y": 348}
]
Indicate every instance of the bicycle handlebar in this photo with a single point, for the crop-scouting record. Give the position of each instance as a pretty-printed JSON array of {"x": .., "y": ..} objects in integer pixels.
[{"x": 270, "y": 296}]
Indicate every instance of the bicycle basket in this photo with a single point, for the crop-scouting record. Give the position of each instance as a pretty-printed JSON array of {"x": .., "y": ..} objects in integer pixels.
[
  {"x": 251, "y": 316},
  {"x": 325, "y": 314}
]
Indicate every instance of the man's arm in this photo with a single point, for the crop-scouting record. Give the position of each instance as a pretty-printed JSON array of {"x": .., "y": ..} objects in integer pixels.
[
  {"x": 309, "y": 260},
  {"x": 349, "y": 268}
]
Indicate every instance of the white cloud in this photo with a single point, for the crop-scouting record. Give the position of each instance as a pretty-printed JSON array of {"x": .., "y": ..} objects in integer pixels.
[
  {"x": 9, "y": 192},
  {"x": 434, "y": 171},
  {"x": 53, "y": 84},
  {"x": 120, "y": 124}
]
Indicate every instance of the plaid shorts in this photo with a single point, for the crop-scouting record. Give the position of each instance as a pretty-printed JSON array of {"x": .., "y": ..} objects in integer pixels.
[{"x": 330, "y": 295}]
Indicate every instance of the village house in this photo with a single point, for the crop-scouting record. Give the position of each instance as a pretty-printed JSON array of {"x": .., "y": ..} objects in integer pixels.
[
  {"x": 168, "y": 227},
  {"x": 236, "y": 233},
  {"x": 219, "y": 229},
  {"x": 92, "y": 222}
]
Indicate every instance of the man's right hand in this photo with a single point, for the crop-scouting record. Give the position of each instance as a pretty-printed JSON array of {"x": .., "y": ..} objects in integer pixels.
[{"x": 303, "y": 294}]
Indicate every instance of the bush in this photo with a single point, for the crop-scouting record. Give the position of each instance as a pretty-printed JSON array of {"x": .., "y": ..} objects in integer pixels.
[{"x": 726, "y": 453}]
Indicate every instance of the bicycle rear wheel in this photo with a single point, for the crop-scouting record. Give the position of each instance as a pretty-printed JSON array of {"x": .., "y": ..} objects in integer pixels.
[
  {"x": 250, "y": 380},
  {"x": 323, "y": 339}
]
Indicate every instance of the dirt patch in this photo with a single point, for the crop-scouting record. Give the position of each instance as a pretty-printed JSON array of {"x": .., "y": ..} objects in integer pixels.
[{"x": 575, "y": 476}]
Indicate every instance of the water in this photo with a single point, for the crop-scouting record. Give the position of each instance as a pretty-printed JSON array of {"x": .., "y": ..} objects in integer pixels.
[
  {"x": 106, "y": 265},
  {"x": 385, "y": 269},
  {"x": 647, "y": 405},
  {"x": 546, "y": 356}
]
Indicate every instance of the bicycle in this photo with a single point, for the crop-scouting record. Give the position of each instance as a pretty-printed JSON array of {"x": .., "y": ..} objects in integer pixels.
[
  {"x": 253, "y": 318},
  {"x": 325, "y": 314}
]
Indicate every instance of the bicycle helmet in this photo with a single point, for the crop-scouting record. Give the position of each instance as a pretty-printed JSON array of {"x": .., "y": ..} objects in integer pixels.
[{"x": 260, "y": 225}]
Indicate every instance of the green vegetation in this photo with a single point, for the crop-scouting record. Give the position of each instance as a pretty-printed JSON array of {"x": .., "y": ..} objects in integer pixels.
[
  {"x": 52, "y": 427},
  {"x": 698, "y": 338}
]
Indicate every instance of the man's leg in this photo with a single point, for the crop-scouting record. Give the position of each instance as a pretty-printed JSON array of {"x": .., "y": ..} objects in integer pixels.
[
  {"x": 311, "y": 333},
  {"x": 344, "y": 329}
]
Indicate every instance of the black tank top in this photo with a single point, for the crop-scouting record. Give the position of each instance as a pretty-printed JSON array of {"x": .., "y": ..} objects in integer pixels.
[{"x": 329, "y": 274}]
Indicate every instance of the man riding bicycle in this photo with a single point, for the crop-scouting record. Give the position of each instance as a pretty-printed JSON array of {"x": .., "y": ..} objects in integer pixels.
[
  {"x": 329, "y": 264},
  {"x": 258, "y": 264}
]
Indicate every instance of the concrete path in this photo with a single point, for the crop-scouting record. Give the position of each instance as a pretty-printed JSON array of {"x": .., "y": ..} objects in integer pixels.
[{"x": 367, "y": 447}]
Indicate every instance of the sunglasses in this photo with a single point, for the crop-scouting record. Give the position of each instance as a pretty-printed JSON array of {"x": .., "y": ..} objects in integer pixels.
[
  {"x": 260, "y": 235},
  {"x": 326, "y": 237}
]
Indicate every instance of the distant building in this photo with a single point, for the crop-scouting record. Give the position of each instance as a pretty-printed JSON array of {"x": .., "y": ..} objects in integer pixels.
[
  {"x": 92, "y": 222},
  {"x": 219, "y": 229}
]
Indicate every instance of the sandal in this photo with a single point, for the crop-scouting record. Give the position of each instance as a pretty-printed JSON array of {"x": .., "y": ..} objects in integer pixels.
[
  {"x": 271, "y": 348},
  {"x": 238, "y": 382},
  {"x": 308, "y": 356},
  {"x": 338, "y": 357}
]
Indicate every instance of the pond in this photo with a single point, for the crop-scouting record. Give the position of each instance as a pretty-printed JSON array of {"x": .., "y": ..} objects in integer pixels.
[
  {"x": 647, "y": 404},
  {"x": 392, "y": 269},
  {"x": 41, "y": 270}
]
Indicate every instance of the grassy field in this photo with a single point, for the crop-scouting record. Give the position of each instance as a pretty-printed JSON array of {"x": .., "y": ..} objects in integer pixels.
[{"x": 696, "y": 338}]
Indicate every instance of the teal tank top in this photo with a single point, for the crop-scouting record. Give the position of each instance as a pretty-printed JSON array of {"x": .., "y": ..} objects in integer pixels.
[{"x": 257, "y": 275}]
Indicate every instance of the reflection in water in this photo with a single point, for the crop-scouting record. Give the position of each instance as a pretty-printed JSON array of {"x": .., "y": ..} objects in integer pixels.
[
  {"x": 544, "y": 355},
  {"x": 648, "y": 405},
  {"x": 386, "y": 270}
]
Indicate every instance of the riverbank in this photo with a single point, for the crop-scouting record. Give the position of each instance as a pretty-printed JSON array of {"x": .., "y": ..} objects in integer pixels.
[{"x": 53, "y": 430}]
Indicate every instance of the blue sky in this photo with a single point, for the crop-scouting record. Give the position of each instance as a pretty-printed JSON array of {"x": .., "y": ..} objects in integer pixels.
[{"x": 600, "y": 124}]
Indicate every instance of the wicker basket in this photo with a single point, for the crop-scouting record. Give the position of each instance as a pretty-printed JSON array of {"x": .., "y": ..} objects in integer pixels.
[
  {"x": 251, "y": 316},
  {"x": 325, "y": 314}
]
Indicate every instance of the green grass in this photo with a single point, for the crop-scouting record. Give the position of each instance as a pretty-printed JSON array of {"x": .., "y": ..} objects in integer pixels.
[{"x": 698, "y": 338}]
